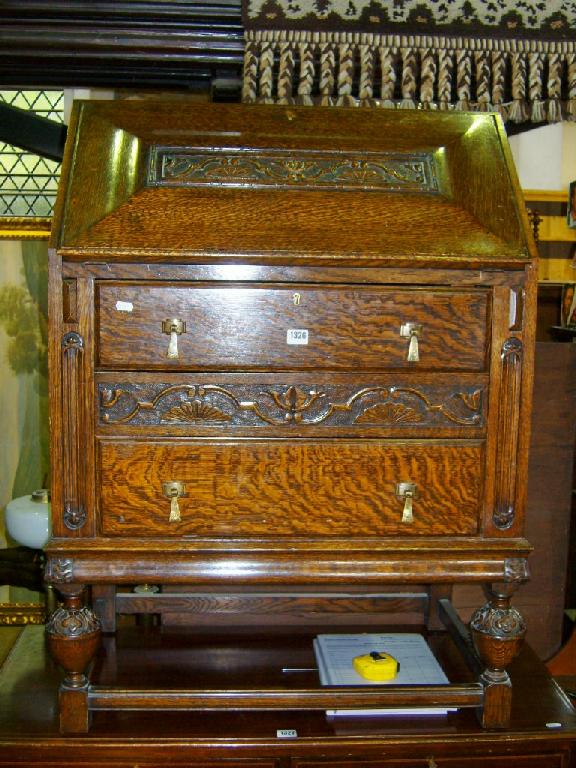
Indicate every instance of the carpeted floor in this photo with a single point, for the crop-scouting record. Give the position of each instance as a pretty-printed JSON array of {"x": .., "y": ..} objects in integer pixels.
[{"x": 8, "y": 636}]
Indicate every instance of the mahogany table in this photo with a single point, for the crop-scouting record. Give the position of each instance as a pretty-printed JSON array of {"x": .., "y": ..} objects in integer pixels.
[{"x": 542, "y": 732}]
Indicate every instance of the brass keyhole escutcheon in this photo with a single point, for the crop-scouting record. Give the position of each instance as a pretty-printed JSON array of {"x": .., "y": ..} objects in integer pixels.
[{"x": 296, "y": 298}]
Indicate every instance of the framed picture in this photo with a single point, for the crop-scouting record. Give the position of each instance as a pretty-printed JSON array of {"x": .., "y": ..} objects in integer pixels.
[
  {"x": 568, "y": 306},
  {"x": 572, "y": 205}
]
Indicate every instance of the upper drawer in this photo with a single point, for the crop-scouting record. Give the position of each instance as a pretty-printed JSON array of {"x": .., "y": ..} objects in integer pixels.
[{"x": 290, "y": 328}]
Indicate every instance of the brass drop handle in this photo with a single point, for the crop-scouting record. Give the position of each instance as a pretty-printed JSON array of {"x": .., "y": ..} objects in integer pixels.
[
  {"x": 412, "y": 331},
  {"x": 174, "y": 327},
  {"x": 174, "y": 490},
  {"x": 408, "y": 492}
]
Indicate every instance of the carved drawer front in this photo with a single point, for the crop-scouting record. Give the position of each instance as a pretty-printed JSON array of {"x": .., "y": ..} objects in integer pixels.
[
  {"x": 382, "y": 405},
  {"x": 294, "y": 327},
  {"x": 354, "y": 488}
]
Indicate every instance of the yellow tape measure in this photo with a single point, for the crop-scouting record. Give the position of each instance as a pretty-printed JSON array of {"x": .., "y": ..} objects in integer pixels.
[{"x": 376, "y": 666}]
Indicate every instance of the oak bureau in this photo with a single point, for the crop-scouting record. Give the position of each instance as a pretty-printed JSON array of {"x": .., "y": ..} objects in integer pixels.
[{"x": 290, "y": 348}]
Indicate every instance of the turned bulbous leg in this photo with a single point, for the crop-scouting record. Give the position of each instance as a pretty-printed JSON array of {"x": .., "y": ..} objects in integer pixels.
[
  {"x": 498, "y": 632},
  {"x": 73, "y": 635}
]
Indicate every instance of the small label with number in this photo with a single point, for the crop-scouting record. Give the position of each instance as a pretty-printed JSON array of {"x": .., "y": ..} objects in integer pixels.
[
  {"x": 297, "y": 336},
  {"x": 124, "y": 306},
  {"x": 287, "y": 733}
]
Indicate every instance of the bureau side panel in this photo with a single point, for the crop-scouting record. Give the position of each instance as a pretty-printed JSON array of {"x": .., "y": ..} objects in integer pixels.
[{"x": 72, "y": 404}]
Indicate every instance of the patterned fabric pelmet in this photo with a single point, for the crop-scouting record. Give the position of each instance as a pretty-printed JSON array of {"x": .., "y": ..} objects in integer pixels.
[{"x": 486, "y": 55}]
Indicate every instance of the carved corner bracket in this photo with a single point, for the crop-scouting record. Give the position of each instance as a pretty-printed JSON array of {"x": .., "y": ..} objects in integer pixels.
[
  {"x": 516, "y": 570},
  {"x": 59, "y": 570}
]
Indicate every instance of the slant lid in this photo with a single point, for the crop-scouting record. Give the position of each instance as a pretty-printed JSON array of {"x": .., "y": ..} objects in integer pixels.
[{"x": 182, "y": 181}]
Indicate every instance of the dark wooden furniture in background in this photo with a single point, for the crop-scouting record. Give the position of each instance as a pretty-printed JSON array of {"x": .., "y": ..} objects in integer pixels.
[
  {"x": 291, "y": 349},
  {"x": 548, "y": 509},
  {"x": 172, "y": 45}
]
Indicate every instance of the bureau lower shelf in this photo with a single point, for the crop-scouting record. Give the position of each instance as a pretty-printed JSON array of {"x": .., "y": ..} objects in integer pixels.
[
  {"x": 139, "y": 656},
  {"x": 228, "y": 677}
]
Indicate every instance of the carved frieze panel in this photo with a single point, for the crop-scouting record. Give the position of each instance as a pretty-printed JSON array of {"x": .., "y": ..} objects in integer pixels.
[
  {"x": 259, "y": 405},
  {"x": 198, "y": 166}
]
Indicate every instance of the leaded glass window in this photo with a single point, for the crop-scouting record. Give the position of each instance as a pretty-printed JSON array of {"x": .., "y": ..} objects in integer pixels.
[{"x": 28, "y": 182}]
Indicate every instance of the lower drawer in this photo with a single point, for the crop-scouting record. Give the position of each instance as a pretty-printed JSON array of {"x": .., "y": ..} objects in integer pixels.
[{"x": 356, "y": 488}]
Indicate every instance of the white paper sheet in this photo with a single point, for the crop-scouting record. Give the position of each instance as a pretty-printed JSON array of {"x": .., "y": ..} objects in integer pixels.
[{"x": 418, "y": 665}]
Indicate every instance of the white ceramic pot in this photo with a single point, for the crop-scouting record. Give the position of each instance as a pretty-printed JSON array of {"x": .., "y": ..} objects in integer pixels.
[{"x": 28, "y": 519}]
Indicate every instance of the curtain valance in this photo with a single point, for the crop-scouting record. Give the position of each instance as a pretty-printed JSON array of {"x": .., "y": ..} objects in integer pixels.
[{"x": 484, "y": 55}]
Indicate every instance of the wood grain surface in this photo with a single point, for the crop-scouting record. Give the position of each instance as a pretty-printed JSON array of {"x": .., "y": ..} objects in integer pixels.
[
  {"x": 246, "y": 327},
  {"x": 253, "y": 222},
  {"x": 284, "y": 488}
]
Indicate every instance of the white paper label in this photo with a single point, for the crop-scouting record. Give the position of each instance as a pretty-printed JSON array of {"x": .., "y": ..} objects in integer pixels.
[
  {"x": 297, "y": 336},
  {"x": 124, "y": 306},
  {"x": 287, "y": 733},
  {"x": 513, "y": 303}
]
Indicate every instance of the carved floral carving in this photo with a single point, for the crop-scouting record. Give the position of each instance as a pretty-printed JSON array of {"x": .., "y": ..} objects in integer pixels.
[
  {"x": 59, "y": 570},
  {"x": 277, "y": 406},
  {"x": 321, "y": 169},
  {"x": 498, "y": 622},
  {"x": 294, "y": 401},
  {"x": 390, "y": 413},
  {"x": 195, "y": 411},
  {"x": 109, "y": 397},
  {"x": 472, "y": 400},
  {"x": 72, "y": 622}
]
